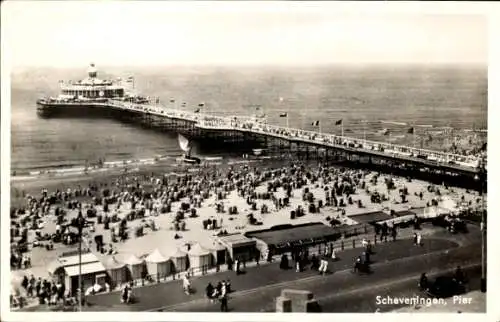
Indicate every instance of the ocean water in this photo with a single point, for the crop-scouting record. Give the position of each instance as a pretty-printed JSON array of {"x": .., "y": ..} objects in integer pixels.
[{"x": 366, "y": 99}]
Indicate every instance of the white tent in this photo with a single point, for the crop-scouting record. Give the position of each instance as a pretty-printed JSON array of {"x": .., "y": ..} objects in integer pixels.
[
  {"x": 199, "y": 257},
  {"x": 432, "y": 212},
  {"x": 449, "y": 204},
  {"x": 135, "y": 266},
  {"x": 158, "y": 266},
  {"x": 117, "y": 271},
  {"x": 179, "y": 260}
]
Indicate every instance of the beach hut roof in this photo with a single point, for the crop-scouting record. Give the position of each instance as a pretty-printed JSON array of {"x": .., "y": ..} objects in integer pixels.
[
  {"x": 133, "y": 260},
  {"x": 156, "y": 257},
  {"x": 198, "y": 250},
  {"x": 177, "y": 253},
  {"x": 54, "y": 266},
  {"x": 113, "y": 263}
]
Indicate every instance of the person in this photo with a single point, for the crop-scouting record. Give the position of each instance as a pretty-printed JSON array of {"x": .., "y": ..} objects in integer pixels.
[
  {"x": 209, "y": 291},
  {"x": 419, "y": 240},
  {"x": 223, "y": 299},
  {"x": 125, "y": 294},
  {"x": 366, "y": 257},
  {"x": 423, "y": 283},
  {"x": 284, "y": 262},
  {"x": 369, "y": 247},
  {"x": 236, "y": 266},
  {"x": 321, "y": 265},
  {"x": 108, "y": 287},
  {"x": 415, "y": 238},
  {"x": 314, "y": 262},
  {"x": 334, "y": 256},
  {"x": 324, "y": 266},
  {"x": 357, "y": 264},
  {"x": 186, "y": 284}
]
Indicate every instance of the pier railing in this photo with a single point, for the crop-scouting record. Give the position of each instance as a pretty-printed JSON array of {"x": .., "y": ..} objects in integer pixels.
[{"x": 244, "y": 124}]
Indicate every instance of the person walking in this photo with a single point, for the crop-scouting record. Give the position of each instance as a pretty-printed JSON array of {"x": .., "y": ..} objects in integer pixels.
[
  {"x": 419, "y": 240},
  {"x": 415, "y": 239},
  {"x": 334, "y": 256},
  {"x": 223, "y": 299}
]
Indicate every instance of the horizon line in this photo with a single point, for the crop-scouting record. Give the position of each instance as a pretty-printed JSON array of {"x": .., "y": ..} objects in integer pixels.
[{"x": 262, "y": 65}]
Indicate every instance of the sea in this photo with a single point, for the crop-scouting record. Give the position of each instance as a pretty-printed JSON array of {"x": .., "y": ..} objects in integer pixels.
[{"x": 368, "y": 99}]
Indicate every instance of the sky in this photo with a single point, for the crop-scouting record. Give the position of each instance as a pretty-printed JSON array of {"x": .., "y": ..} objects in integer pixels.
[{"x": 72, "y": 34}]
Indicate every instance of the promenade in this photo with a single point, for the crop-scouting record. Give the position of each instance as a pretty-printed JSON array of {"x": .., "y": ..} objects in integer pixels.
[
  {"x": 396, "y": 268},
  {"x": 257, "y": 289}
]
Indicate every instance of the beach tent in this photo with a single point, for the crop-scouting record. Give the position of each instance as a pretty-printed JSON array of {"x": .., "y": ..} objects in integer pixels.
[
  {"x": 117, "y": 271},
  {"x": 56, "y": 270},
  {"x": 136, "y": 267},
  {"x": 199, "y": 257},
  {"x": 432, "y": 212},
  {"x": 179, "y": 260},
  {"x": 158, "y": 266},
  {"x": 449, "y": 204}
]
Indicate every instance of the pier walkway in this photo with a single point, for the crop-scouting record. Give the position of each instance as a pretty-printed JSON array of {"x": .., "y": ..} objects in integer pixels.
[{"x": 202, "y": 121}]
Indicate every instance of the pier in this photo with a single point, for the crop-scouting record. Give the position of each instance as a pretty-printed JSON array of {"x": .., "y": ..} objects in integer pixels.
[{"x": 248, "y": 132}]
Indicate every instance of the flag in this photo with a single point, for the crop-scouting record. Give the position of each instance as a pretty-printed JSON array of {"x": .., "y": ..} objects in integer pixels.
[
  {"x": 283, "y": 114},
  {"x": 172, "y": 100},
  {"x": 257, "y": 108},
  {"x": 201, "y": 104},
  {"x": 338, "y": 122},
  {"x": 197, "y": 110},
  {"x": 411, "y": 130},
  {"x": 315, "y": 123},
  {"x": 130, "y": 79}
]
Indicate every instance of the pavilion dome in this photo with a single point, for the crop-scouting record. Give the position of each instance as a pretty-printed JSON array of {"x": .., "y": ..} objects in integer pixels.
[{"x": 92, "y": 71}]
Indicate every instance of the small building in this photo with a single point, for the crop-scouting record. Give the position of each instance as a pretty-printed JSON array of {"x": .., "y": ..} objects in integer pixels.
[
  {"x": 136, "y": 267},
  {"x": 371, "y": 217},
  {"x": 68, "y": 267},
  {"x": 239, "y": 246},
  {"x": 179, "y": 260},
  {"x": 199, "y": 257},
  {"x": 158, "y": 265},
  {"x": 284, "y": 238},
  {"x": 117, "y": 271}
]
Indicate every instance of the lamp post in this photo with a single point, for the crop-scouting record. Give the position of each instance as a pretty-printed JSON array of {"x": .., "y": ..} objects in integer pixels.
[
  {"x": 481, "y": 177},
  {"x": 80, "y": 222}
]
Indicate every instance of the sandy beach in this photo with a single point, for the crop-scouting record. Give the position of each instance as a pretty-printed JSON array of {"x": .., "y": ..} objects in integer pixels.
[{"x": 163, "y": 235}]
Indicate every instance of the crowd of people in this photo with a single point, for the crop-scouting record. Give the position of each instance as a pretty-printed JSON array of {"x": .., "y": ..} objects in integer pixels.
[{"x": 149, "y": 196}]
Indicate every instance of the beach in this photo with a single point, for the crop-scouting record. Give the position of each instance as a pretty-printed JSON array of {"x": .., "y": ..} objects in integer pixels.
[{"x": 162, "y": 237}]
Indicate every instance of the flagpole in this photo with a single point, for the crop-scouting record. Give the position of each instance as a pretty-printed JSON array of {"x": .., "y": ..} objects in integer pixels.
[
  {"x": 364, "y": 131},
  {"x": 342, "y": 127},
  {"x": 414, "y": 134},
  {"x": 287, "y": 125}
]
